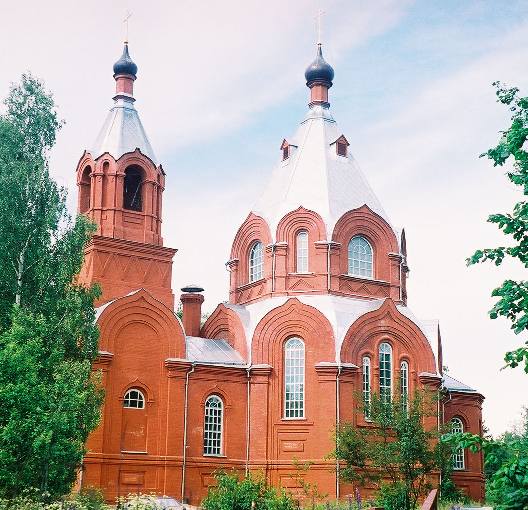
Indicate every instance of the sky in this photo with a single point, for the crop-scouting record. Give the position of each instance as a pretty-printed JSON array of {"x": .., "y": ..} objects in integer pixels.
[{"x": 220, "y": 84}]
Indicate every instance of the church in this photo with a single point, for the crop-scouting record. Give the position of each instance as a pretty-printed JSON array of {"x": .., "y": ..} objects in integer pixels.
[{"x": 317, "y": 315}]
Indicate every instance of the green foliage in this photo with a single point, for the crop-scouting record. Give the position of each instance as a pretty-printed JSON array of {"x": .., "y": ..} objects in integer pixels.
[
  {"x": 87, "y": 500},
  {"x": 513, "y": 296},
  {"x": 48, "y": 338},
  {"x": 310, "y": 490},
  {"x": 249, "y": 493},
  {"x": 506, "y": 465},
  {"x": 395, "y": 452},
  {"x": 139, "y": 502}
]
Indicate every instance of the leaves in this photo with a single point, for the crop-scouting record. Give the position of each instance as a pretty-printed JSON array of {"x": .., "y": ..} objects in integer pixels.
[{"x": 513, "y": 296}]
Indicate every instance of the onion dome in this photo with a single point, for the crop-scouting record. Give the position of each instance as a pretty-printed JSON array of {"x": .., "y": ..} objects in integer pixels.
[
  {"x": 319, "y": 71},
  {"x": 125, "y": 65}
]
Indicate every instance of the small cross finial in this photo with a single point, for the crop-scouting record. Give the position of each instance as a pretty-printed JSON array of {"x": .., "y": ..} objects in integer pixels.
[
  {"x": 125, "y": 21},
  {"x": 318, "y": 19}
]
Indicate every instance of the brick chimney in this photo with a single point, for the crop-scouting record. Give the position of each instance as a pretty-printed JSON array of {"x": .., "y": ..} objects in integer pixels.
[{"x": 192, "y": 300}]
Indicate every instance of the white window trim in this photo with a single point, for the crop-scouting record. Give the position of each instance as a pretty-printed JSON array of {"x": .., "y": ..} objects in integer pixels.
[
  {"x": 285, "y": 410},
  {"x": 252, "y": 277},
  {"x": 460, "y": 454},
  {"x": 221, "y": 441},
  {"x": 366, "y": 372},
  {"x": 142, "y": 400},
  {"x": 306, "y": 239},
  {"x": 391, "y": 377},
  {"x": 350, "y": 259}
]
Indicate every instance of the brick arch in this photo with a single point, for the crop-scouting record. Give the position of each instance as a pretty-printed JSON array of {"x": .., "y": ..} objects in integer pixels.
[
  {"x": 253, "y": 229},
  {"x": 287, "y": 230},
  {"x": 142, "y": 309},
  {"x": 387, "y": 323},
  {"x": 293, "y": 318},
  {"x": 375, "y": 229},
  {"x": 138, "y": 158},
  {"x": 225, "y": 323}
]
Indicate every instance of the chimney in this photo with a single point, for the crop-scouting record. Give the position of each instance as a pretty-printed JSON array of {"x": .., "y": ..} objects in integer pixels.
[{"x": 192, "y": 300}]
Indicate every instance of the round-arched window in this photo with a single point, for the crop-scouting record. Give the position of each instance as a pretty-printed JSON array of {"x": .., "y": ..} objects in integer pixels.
[
  {"x": 213, "y": 425},
  {"x": 301, "y": 247},
  {"x": 256, "y": 262},
  {"x": 134, "y": 399},
  {"x": 458, "y": 455},
  {"x": 360, "y": 257},
  {"x": 385, "y": 372},
  {"x": 294, "y": 378},
  {"x": 132, "y": 198}
]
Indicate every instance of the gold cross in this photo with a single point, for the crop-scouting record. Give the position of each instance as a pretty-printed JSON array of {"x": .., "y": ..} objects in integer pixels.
[{"x": 125, "y": 21}]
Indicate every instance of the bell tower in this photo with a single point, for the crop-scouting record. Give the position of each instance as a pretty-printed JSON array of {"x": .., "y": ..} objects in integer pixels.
[{"x": 121, "y": 189}]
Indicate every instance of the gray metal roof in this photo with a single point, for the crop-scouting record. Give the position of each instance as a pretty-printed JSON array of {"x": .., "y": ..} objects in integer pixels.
[
  {"x": 452, "y": 384},
  {"x": 212, "y": 350},
  {"x": 341, "y": 312},
  {"x": 315, "y": 177},
  {"x": 122, "y": 132}
]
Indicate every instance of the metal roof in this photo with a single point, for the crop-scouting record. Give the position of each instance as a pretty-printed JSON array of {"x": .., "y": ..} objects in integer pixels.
[
  {"x": 212, "y": 350},
  {"x": 122, "y": 132},
  {"x": 341, "y": 312},
  {"x": 315, "y": 177},
  {"x": 452, "y": 384}
]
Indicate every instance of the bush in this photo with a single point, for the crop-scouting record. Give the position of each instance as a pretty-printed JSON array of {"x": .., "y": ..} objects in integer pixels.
[{"x": 232, "y": 493}]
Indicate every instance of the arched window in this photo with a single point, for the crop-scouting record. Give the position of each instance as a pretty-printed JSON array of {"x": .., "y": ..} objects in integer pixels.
[
  {"x": 132, "y": 189},
  {"x": 359, "y": 257},
  {"x": 385, "y": 372},
  {"x": 458, "y": 456},
  {"x": 85, "y": 190},
  {"x": 256, "y": 262},
  {"x": 404, "y": 384},
  {"x": 213, "y": 425},
  {"x": 301, "y": 247},
  {"x": 134, "y": 399},
  {"x": 366, "y": 386},
  {"x": 294, "y": 378}
]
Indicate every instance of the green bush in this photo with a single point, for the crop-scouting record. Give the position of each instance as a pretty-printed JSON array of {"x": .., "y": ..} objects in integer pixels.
[{"x": 232, "y": 493}]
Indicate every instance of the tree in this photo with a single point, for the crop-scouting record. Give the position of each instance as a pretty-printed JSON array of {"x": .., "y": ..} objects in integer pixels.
[
  {"x": 506, "y": 464},
  {"x": 513, "y": 295},
  {"x": 249, "y": 493},
  {"x": 48, "y": 337},
  {"x": 395, "y": 452}
]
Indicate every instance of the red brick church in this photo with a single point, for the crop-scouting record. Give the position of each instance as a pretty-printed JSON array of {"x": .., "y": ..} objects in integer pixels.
[{"x": 317, "y": 314}]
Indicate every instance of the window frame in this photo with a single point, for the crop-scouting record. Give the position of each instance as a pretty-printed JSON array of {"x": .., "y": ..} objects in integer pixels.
[
  {"x": 127, "y": 399},
  {"x": 404, "y": 384},
  {"x": 382, "y": 377},
  {"x": 366, "y": 376},
  {"x": 215, "y": 438},
  {"x": 256, "y": 269},
  {"x": 291, "y": 412},
  {"x": 459, "y": 456},
  {"x": 302, "y": 252},
  {"x": 352, "y": 260}
]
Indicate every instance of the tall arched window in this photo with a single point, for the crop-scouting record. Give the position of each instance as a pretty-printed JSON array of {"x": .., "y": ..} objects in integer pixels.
[
  {"x": 404, "y": 384},
  {"x": 359, "y": 257},
  {"x": 256, "y": 262},
  {"x": 301, "y": 247},
  {"x": 385, "y": 372},
  {"x": 366, "y": 386},
  {"x": 458, "y": 456},
  {"x": 85, "y": 190},
  {"x": 213, "y": 425},
  {"x": 294, "y": 378},
  {"x": 132, "y": 188},
  {"x": 134, "y": 399}
]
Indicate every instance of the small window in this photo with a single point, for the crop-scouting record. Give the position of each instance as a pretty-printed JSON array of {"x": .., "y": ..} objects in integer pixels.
[
  {"x": 85, "y": 190},
  {"x": 404, "y": 384},
  {"x": 360, "y": 257},
  {"x": 285, "y": 152},
  {"x": 366, "y": 386},
  {"x": 294, "y": 378},
  {"x": 256, "y": 262},
  {"x": 132, "y": 189},
  {"x": 301, "y": 246},
  {"x": 458, "y": 456},
  {"x": 385, "y": 372},
  {"x": 341, "y": 149},
  {"x": 213, "y": 425},
  {"x": 134, "y": 399}
]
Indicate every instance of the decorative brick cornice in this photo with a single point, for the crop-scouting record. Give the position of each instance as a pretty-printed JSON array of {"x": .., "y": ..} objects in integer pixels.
[
  {"x": 104, "y": 358},
  {"x": 178, "y": 367},
  {"x": 127, "y": 247}
]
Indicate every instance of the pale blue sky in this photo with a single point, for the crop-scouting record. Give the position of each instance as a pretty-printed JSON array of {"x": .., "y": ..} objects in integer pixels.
[{"x": 220, "y": 84}]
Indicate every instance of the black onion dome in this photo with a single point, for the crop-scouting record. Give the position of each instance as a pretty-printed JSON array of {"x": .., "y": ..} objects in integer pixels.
[
  {"x": 319, "y": 71},
  {"x": 125, "y": 65}
]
